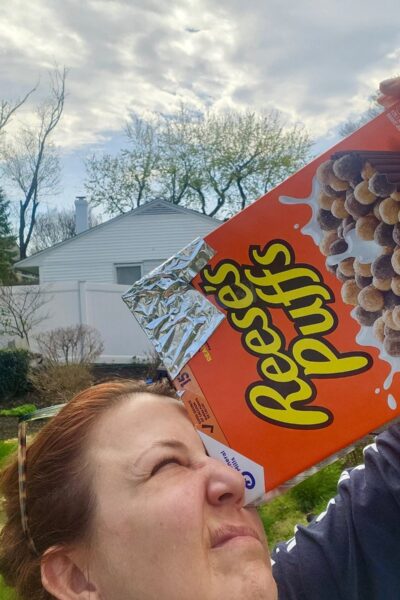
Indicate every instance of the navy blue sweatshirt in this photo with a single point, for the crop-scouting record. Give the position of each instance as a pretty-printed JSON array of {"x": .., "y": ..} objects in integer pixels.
[{"x": 352, "y": 550}]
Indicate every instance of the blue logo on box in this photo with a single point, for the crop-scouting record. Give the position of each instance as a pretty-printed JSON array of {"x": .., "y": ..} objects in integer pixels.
[{"x": 249, "y": 480}]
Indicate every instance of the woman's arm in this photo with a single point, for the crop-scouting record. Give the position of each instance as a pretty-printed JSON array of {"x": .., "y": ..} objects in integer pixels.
[
  {"x": 390, "y": 91},
  {"x": 352, "y": 550}
]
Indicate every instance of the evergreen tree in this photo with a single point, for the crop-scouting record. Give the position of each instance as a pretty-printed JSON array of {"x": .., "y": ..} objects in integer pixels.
[{"x": 7, "y": 243}]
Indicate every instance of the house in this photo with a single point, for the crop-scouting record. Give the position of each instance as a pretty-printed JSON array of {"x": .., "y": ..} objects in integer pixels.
[
  {"x": 84, "y": 277},
  {"x": 122, "y": 249}
]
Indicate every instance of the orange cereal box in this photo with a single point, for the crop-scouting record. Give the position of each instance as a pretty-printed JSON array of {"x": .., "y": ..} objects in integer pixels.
[{"x": 285, "y": 321}]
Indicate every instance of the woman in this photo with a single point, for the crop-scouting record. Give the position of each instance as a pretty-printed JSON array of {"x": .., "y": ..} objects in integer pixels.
[{"x": 124, "y": 504}]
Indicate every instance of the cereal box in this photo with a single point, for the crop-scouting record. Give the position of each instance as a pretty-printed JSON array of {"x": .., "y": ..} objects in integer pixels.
[{"x": 302, "y": 359}]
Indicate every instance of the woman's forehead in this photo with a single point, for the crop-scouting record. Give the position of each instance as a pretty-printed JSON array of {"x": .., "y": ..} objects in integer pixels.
[{"x": 140, "y": 419}]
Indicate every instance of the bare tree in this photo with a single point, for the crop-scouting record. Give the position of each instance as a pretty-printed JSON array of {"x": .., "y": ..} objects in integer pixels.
[
  {"x": 21, "y": 310},
  {"x": 76, "y": 344},
  {"x": 373, "y": 110},
  {"x": 7, "y": 109},
  {"x": 54, "y": 226},
  {"x": 31, "y": 162},
  {"x": 51, "y": 227}
]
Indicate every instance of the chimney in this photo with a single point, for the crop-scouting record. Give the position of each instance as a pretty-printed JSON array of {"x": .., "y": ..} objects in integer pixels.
[{"x": 81, "y": 214}]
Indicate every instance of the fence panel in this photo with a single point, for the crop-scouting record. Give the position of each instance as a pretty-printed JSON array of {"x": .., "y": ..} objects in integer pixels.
[{"x": 96, "y": 304}]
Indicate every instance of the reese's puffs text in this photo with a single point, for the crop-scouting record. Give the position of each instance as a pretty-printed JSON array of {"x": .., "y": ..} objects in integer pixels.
[{"x": 285, "y": 392}]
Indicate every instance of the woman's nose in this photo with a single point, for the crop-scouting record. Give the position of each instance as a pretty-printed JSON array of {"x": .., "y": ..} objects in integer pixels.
[{"x": 224, "y": 484}]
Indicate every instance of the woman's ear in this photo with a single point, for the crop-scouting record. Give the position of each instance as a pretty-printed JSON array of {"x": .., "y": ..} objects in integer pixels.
[{"x": 64, "y": 578}]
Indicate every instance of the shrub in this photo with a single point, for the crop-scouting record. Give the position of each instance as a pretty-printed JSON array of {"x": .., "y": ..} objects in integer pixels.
[
  {"x": 57, "y": 383},
  {"x": 14, "y": 367},
  {"x": 18, "y": 411},
  {"x": 77, "y": 344}
]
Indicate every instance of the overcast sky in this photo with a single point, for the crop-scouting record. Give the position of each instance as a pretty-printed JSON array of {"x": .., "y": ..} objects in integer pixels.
[{"x": 316, "y": 61}]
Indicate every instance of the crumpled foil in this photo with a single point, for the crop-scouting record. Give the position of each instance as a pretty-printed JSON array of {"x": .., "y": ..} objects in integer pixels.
[{"x": 177, "y": 318}]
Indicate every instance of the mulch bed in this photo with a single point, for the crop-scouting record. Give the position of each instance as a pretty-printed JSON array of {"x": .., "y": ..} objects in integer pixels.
[{"x": 112, "y": 371}]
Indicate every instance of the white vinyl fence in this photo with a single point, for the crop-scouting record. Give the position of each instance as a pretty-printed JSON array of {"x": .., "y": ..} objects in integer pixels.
[{"x": 97, "y": 304}]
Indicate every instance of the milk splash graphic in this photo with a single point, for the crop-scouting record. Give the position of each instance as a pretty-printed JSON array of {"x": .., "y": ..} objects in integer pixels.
[{"x": 365, "y": 252}]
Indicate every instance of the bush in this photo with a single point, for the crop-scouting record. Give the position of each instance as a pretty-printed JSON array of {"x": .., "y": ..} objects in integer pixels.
[
  {"x": 59, "y": 383},
  {"x": 65, "y": 345},
  {"x": 18, "y": 411},
  {"x": 14, "y": 367}
]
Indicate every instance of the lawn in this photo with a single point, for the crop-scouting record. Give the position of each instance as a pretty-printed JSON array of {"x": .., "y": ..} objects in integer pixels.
[
  {"x": 5, "y": 592},
  {"x": 6, "y": 448},
  {"x": 309, "y": 497}
]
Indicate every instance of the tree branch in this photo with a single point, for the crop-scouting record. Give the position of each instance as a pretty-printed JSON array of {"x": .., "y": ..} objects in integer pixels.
[{"x": 7, "y": 110}]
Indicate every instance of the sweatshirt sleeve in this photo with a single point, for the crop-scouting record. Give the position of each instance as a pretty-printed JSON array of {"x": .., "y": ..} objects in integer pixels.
[{"x": 352, "y": 550}]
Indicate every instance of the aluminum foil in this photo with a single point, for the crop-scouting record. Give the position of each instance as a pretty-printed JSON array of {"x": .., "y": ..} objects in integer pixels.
[{"x": 176, "y": 318}]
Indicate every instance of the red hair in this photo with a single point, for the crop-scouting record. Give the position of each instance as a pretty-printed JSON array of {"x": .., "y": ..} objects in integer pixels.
[{"x": 60, "y": 503}]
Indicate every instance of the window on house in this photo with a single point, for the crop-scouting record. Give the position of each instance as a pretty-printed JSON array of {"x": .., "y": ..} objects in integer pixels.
[{"x": 128, "y": 274}]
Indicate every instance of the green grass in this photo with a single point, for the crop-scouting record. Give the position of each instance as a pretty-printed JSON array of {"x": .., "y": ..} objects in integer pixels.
[
  {"x": 279, "y": 518},
  {"x": 6, "y": 448},
  {"x": 6, "y": 593},
  {"x": 311, "y": 496}
]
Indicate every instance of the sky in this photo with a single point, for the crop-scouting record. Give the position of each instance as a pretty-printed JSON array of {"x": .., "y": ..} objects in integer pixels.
[{"x": 315, "y": 61}]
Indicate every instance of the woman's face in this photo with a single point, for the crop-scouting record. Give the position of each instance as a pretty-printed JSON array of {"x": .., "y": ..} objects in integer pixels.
[{"x": 169, "y": 521}]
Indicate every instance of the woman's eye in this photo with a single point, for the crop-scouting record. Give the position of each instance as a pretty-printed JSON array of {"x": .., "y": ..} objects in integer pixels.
[{"x": 165, "y": 463}]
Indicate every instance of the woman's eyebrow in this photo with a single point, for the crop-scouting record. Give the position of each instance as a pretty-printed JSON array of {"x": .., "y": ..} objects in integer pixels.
[
  {"x": 170, "y": 443},
  {"x": 173, "y": 444}
]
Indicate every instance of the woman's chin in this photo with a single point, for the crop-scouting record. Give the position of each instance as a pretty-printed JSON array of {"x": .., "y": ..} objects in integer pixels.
[{"x": 253, "y": 580}]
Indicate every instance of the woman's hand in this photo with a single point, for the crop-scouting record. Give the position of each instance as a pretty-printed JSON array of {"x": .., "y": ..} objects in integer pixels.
[{"x": 390, "y": 91}]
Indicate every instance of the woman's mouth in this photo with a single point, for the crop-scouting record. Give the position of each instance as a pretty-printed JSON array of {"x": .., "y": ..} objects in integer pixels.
[{"x": 227, "y": 533}]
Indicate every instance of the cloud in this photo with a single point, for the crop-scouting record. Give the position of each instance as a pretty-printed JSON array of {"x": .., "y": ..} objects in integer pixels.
[{"x": 315, "y": 61}]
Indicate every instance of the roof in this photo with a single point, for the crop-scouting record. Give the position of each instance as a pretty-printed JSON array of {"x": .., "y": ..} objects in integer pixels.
[{"x": 154, "y": 207}]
